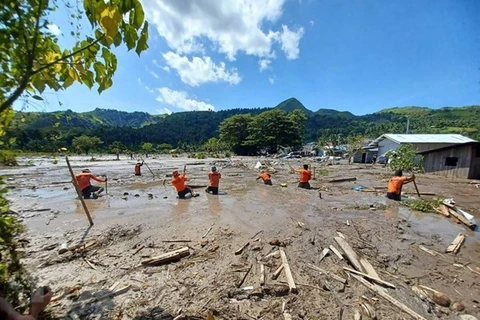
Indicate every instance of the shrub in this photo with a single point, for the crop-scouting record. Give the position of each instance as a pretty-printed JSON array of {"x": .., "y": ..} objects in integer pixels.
[
  {"x": 423, "y": 205},
  {"x": 8, "y": 158},
  {"x": 228, "y": 154}
]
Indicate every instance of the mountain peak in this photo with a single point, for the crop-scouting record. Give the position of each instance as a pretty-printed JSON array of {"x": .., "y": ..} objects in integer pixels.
[{"x": 292, "y": 104}]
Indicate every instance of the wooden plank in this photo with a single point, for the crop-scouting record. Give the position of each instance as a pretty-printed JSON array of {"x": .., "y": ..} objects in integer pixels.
[
  {"x": 342, "y": 180},
  {"x": 377, "y": 280},
  {"x": 337, "y": 253},
  {"x": 461, "y": 218},
  {"x": 262, "y": 274},
  {"x": 456, "y": 244},
  {"x": 79, "y": 192},
  {"x": 324, "y": 253},
  {"x": 389, "y": 298},
  {"x": 367, "y": 266},
  {"x": 168, "y": 257},
  {"x": 288, "y": 272},
  {"x": 351, "y": 255},
  {"x": 444, "y": 210},
  {"x": 277, "y": 272},
  {"x": 330, "y": 274},
  {"x": 341, "y": 235}
]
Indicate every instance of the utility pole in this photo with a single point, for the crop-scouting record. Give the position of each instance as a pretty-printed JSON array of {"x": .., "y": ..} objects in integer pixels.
[{"x": 408, "y": 125}]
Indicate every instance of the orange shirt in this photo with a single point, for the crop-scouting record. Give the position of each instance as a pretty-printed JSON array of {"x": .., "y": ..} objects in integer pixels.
[
  {"x": 137, "y": 168},
  {"x": 305, "y": 175},
  {"x": 179, "y": 182},
  {"x": 83, "y": 179},
  {"x": 214, "y": 178},
  {"x": 265, "y": 176},
  {"x": 395, "y": 184}
]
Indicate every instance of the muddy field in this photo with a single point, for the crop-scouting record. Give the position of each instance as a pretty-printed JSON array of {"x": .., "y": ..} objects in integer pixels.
[{"x": 106, "y": 280}]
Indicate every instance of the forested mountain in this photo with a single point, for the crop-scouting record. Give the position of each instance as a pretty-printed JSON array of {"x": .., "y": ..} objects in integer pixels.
[{"x": 39, "y": 131}]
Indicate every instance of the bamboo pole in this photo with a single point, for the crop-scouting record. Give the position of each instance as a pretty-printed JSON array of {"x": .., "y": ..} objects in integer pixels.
[{"x": 79, "y": 193}]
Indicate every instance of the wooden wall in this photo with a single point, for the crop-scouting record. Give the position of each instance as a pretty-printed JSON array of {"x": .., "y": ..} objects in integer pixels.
[{"x": 434, "y": 162}]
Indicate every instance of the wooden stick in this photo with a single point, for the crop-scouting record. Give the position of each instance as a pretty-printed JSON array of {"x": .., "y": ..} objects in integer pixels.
[
  {"x": 262, "y": 274},
  {"x": 277, "y": 272},
  {"x": 90, "y": 264},
  {"x": 288, "y": 272},
  {"x": 416, "y": 188},
  {"x": 456, "y": 244},
  {"x": 79, "y": 192},
  {"x": 244, "y": 277},
  {"x": 181, "y": 240},
  {"x": 332, "y": 275},
  {"x": 337, "y": 253},
  {"x": 367, "y": 266},
  {"x": 324, "y": 253},
  {"x": 389, "y": 298},
  {"x": 168, "y": 257},
  {"x": 377, "y": 280},
  {"x": 342, "y": 179},
  {"x": 208, "y": 231},
  {"x": 239, "y": 251},
  {"x": 461, "y": 218},
  {"x": 351, "y": 255}
]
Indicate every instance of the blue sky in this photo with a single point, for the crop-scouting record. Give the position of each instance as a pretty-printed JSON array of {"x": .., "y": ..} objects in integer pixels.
[{"x": 357, "y": 56}]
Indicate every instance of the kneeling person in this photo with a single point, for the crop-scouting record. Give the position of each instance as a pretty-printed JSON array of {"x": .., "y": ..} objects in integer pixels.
[
  {"x": 395, "y": 185},
  {"x": 305, "y": 176},
  {"x": 178, "y": 181},
  {"x": 266, "y": 177},
  {"x": 214, "y": 177}
]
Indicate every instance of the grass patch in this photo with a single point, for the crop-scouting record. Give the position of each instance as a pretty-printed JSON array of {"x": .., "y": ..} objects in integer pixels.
[{"x": 422, "y": 205}]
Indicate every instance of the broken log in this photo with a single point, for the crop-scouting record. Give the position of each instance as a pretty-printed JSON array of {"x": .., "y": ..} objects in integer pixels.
[
  {"x": 342, "y": 179},
  {"x": 324, "y": 253},
  {"x": 456, "y": 244},
  {"x": 389, "y": 298},
  {"x": 351, "y": 255},
  {"x": 337, "y": 253},
  {"x": 461, "y": 218},
  {"x": 377, "y": 280},
  {"x": 444, "y": 210},
  {"x": 167, "y": 257},
  {"x": 288, "y": 272}
]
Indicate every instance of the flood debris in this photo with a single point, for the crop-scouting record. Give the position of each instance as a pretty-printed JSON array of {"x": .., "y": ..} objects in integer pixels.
[
  {"x": 167, "y": 257},
  {"x": 456, "y": 244}
]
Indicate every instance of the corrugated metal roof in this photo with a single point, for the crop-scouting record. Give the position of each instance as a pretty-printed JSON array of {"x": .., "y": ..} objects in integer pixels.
[{"x": 425, "y": 138}]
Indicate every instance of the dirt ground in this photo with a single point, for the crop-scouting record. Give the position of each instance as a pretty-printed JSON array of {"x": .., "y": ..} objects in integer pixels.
[{"x": 107, "y": 281}]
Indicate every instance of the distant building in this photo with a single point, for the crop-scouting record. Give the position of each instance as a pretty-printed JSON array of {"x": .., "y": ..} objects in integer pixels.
[
  {"x": 455, "y": 161},
  {"x": 421, "y": 142}
]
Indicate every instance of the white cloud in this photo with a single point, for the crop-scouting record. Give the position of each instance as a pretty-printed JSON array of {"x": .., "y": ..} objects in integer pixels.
[
  {"x": 180, "y": 99},
  {"x": 54, "y": 29},
  {"x": 164, "y": 111},
  {"x": 290, "y": 41},
  {"x": 227, "y": 26},
  {"x": 312, "y": 23},
  {"x": 154, "y": 74},
  {"x": 155, "y": 63},
  {"x": 139, "y": 80},
  {"x": 200, "y": 70},
  {"x": 271, "y": 80},
  {"x": 264, "y": 63},
  {"x": 166, "y": 68}
]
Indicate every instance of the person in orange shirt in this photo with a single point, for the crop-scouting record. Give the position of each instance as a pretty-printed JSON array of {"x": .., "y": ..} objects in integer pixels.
[
  {"x": 178, "y": 181},
  {"x": 214, "y": 177},
  {"x": 395, "y": 184},
  {"x": 305, "y": 176},
  {"x": 138, "y": 171},
  {"x": 83, "y": 181},
  {"x": 266, "y": 177}
]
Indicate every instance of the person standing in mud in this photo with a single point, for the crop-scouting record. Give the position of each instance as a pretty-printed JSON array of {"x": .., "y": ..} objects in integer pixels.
[
  {"x": 305, "y": 176},
  {"x": 138, "y": 171},
  {"x": 83, "y": 181},
  {"x": 178, "y": 181},
  {"x": 395, "y": 185},
  {"x": 266, "y": 177},
  {"x": 214, "y": 177}
]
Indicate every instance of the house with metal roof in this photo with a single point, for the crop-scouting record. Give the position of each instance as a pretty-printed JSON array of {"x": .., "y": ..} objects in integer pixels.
[{"x": 422, "y": 142}]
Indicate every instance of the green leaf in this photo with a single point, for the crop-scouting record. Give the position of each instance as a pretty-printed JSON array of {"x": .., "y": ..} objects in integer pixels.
[
  {"x": 87, "y": 78},
  {"x": 118, "y": 39},
  {"x": 142, "y": 42},
  {"x": 130, "y": 37},
  {"x": 138, "y": 15},
  {"x": 38, "y": 83},
  {"x": 37, "y": 97},
  {"x": 68, "y": 82}
]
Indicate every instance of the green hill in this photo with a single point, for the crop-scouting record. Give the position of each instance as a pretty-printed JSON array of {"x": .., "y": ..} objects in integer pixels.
[{"x": 42, "y": 131}]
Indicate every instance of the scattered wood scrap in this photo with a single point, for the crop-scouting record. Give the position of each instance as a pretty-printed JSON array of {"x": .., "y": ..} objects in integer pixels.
[
  {"x": 262, "y": 274},
  {"x": 288, "y": 272},
  {"x": 167, "y": 257},
  {"x": 240, "y": 250},
  {"x": 351, "y": 255},
  {"x": 444, "y": 210},
  {"x": 337, "y": 253},
  {"x": 461, "y": 218},
  {"x": 81, "y": 246},
  {"x": 377, "y": 280},
  {"x": 244, "y": 277},
  {"x": 277, "y": 272},
  {"x": 389, "y": 298},
  {"x": 456, "y": 244},
  {"x": 208, "y": 231},
  {"x": 324, "y": 253},
  {"x": 181, "y": 240}
]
